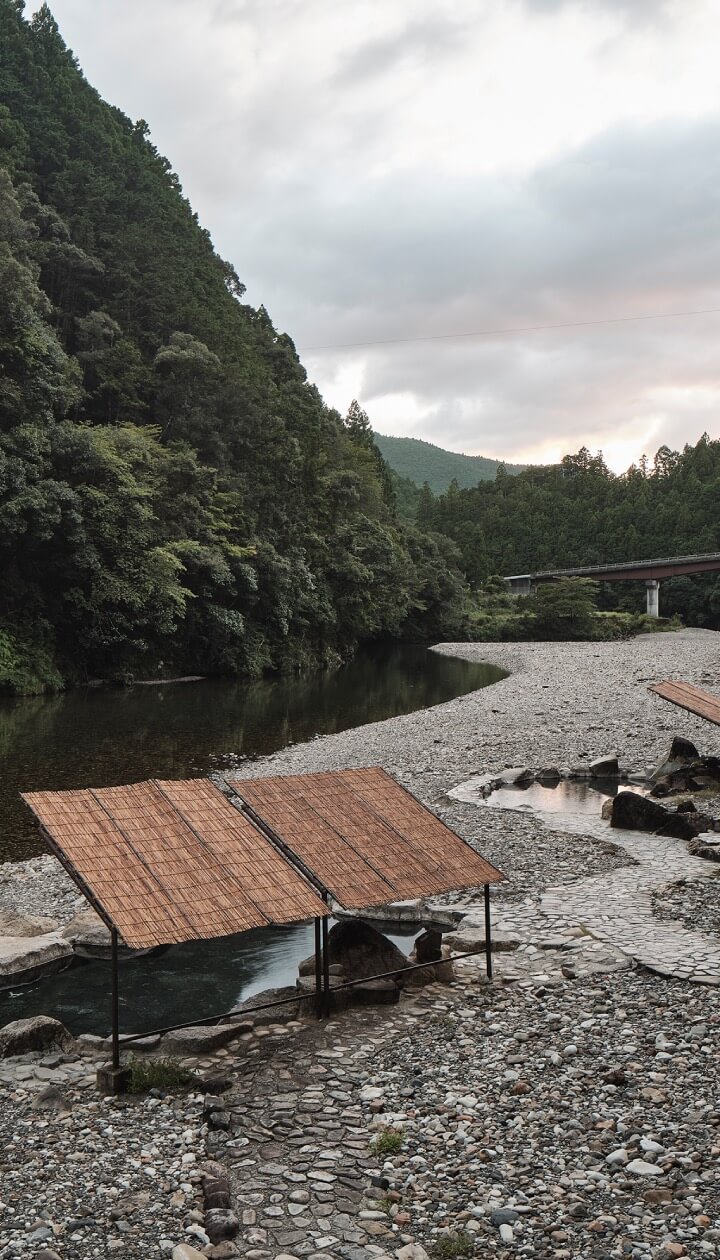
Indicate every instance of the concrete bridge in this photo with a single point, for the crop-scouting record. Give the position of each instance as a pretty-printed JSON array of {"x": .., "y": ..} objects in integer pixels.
[{"x": 649, "y": 571}]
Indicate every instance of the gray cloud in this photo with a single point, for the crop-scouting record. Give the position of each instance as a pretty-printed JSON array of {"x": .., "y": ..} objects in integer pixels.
[
  {"x": 299, "y": 145},
  {"x": 625, "y": 223},
  {"x": 635, "y": 11},
  {"x": 424, "y": 41}
]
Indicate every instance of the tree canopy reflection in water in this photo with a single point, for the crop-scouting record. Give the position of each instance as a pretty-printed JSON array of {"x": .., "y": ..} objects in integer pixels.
[{"x": 91, "y": 738}]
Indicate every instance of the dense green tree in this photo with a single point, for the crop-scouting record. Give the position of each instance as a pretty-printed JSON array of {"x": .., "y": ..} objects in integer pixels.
[
  {"x": 578, "y": 513},
  {"x": 172, "y": 488},
  {"x": 563, "y": 610}
]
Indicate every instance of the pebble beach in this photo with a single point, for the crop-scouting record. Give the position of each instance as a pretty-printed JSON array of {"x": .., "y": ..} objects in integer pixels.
[{"x": 569, "y": 1109}]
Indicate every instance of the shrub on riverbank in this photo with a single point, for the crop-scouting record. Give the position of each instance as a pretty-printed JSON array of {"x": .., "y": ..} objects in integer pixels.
[
  {"x": 27, "y": 667},
  {"x": 562, "y": 610}
]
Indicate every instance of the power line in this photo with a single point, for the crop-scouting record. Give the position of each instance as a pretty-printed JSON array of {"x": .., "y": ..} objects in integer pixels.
[{"x": 506, "y": 332}]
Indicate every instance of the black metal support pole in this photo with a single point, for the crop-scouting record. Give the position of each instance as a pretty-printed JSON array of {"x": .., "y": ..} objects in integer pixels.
[
  {"x": 488, "y": 937},
  {"x": 326, "y": 968},
  {"x": 115, "y": 1002},
  {"x": 318, "y": 972}
]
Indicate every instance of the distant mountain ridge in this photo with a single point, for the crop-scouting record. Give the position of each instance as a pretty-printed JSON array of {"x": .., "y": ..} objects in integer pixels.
[{"x": 423, "y": 461}]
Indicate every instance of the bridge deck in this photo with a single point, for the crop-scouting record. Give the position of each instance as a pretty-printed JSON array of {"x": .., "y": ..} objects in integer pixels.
[
  {"x": 702, "y": 703},
  {"x": 667, "y": 566}
]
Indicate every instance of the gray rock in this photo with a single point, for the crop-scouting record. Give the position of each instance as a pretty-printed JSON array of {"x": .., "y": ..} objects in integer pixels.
[
  {"x": 36, "y": 1033},
  {"x": 604, "y": 768},
  {"x": 88, "y": 934},
  {"x": 26, "y": 958},
  {"x": 516, "y": 776},
  {"x": 683, "y": 749},
  {"x": 362, "y": 951},
  {"x": 41, "y": 1234},
  {"x": 375, "y": 993},
  {"x": 14, "y": 924},
  {"x": 221, "y": 1224},
  {"x": 412, "y": 1251},
  {"x": 549, "y": 776},
  {"x": 51, "y": 1099},
  {"x": 273, "y": 1014},
  {"x": 198, "y": 1040},
  {"x": 504, "y": 1216},
  {"x": 428, "y": 947},
  {"x": 641, "y": 1168},
  {"x": 633, "y": 812}
]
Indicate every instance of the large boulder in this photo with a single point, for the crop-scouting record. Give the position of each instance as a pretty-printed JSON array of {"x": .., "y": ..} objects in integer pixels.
[
  {"x": 686, "y": 824},
  {"x": 285, "y": 1005},
  {"x": 40, "y": 1032},
  {"x": 634, "y": 812},
  {"x": 678, "y": 827},
  {"x": 684, "y": 749},
  {"x": 88, "y": 934},
  {"x": 14, "y": 924},
  {"x": 27, "y": 958},
  {"x": 362, "y": 951},
  {"x": 685, "y": 770}
]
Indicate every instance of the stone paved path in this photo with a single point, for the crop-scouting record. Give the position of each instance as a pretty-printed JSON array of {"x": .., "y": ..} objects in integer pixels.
[
  {"x": 616, "y": 907},
  {"x": 296, "y": 1142}
]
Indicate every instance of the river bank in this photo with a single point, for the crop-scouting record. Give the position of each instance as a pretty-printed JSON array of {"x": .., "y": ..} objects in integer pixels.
[
  {"x": 562, "y": 703},
  {"x": 567, "y": 1110}
]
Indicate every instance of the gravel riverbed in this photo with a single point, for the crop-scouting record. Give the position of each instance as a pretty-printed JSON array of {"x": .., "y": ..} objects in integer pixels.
[
  {"x": 585, "y": 1111},
  {"x": 569, "y": 1121},
  {"x": 696, "y": 903}
]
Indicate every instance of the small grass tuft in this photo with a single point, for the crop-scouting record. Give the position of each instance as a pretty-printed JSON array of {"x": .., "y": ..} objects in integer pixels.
[
  {"x": 446, "y": 1024},
  {"x": 385, "y": 1204},
  {"x": 147, "y": 1074},
  {"x": 452, "y": 1246},
  {"x": 388, "y": 1142}
]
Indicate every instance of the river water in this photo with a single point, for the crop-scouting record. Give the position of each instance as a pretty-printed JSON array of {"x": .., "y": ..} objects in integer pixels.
[{"x": 100, "y": 737}]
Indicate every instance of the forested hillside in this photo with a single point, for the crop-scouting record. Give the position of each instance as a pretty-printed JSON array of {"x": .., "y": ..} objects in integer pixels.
[
  {"x": 578, "y": 513},
  {"x": 422, "y": 462},
  {"x": 174, "y": 494}
]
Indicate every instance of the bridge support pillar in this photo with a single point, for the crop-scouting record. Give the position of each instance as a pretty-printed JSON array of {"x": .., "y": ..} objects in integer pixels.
[{"x": 653, "y": 598}]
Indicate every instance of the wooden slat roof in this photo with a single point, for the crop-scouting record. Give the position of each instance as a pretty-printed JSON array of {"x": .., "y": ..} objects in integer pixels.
[
  {"x": 166, "y": 862},
  {"x": 702, "y": 703},
  {"x": 364, "y": 836}
]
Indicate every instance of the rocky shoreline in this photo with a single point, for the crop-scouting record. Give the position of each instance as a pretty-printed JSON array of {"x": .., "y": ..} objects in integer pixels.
[{"x": 569, "y": 1109}]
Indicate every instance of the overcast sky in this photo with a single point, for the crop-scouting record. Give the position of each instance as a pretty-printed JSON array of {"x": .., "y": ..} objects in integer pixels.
[{"x": 396, "y": 169}]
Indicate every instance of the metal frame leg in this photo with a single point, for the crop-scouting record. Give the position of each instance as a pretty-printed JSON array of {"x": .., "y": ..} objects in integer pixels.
[
  {"x": 326, "y": 969},
  {"x": 488, "y": 936},
  {"x": 115, "y": 1002},
  {"x": 318, "y": 972}
]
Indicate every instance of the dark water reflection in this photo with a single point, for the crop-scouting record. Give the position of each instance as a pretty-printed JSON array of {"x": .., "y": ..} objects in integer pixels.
[
  {"x": 91, "y": 738},
  {"x": 185, "y": 982}
]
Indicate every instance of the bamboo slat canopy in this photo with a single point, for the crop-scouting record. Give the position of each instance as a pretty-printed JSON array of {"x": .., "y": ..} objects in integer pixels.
[
  {"x": 702, "y": 703},
  {"x": 166, "y": 862},
  {"x": 364, "y": 836}
]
